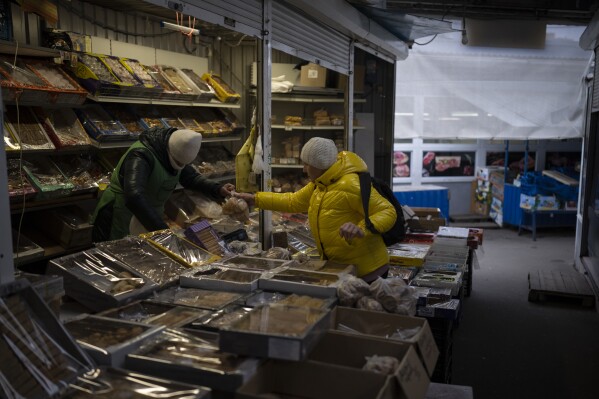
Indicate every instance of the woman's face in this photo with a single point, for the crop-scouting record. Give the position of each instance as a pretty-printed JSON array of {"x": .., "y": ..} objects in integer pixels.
[{"x": 312, "y": 172}]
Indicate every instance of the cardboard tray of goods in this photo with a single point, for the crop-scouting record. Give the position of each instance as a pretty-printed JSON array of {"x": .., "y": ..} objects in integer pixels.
[
  {"x": 196, "y": 298},
  {"x": 220, "y": 319},
  {"x": 20, "y": 83},
  {"x": 180, "y": 249},
  {"x": 361, "y": 353},
  {"x": 169, "y": 91},
  {"x": 63, "y": 127},
  {"x": 141, "y": 73},
  {"x": 135, "y": 87},
  {"x": 252, "y": 263},
  {"x": 126, "y": 117},
  {"x": 224, "y": 92},
  {"x": 439, "y": 279},
  {"x": 389, "y": 326},
  {"x": 143, "y": 257},
  {"x": 407, "y": 254},
  {"x": 159, "y": 314},
  {"x": 221, "y": 279},
  {"x": 47, "y": 178},
  {"x": 39, "y": 357},
  {"x": 324, "y": 266},
  {"x": 207, "y": 93},
  {"x": 107, "y": 340},
  {"x": 111, "y": 383},
  {"x": 301, "y": 282},
  {"x": 66, "y": 90},
  {"x": 85, "y": 174},
  {"x": 98, "y": 280},
  {"x": 94, "y": 74},
  {"x": 100, "y": 125},
  {"x": 26, "y": 129},
  {"x": 275, "y": 331},
  {"x": 183, "y": 356},
  {"x": 189, "y": 91},
  {"x": 286, "y": 379},
  {"x": 19, "y": 186}
]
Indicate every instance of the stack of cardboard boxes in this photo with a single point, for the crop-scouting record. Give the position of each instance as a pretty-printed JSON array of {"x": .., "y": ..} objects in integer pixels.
[{"x": 481, "y": 188}]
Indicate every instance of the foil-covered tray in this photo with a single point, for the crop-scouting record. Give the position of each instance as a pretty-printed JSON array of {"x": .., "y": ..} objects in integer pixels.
[
  {"x": 100, "y": 281},
  {"x": 182, "y": 356},
  {"x": 145, "y": 258},
  {"x": 179, "y": 248},
  {"x": 195, "y": 297},
  {"x": 109, "y": 340}
]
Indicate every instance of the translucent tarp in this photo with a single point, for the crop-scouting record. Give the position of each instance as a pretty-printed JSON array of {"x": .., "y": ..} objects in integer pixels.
[{"x": 449, "y": 90}]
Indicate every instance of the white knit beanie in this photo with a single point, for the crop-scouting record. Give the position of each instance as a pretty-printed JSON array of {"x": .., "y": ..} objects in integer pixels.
[
  {"x": 183, "y": 147},
  {"x": 319, "y": 152}
]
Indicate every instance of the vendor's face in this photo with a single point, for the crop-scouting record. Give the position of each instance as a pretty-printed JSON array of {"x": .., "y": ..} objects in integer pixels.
[{"x": 312, "y": 172}]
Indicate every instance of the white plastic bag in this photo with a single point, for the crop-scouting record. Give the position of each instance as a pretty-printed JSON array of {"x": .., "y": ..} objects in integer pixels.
[{"x": 258, "y": 164}]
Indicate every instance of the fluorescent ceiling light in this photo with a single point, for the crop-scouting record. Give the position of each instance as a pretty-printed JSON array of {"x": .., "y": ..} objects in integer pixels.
[
  {"x": 180, "y": 28},
  {"x": 464, "y": 114},
  {"x": 404, "y": 114},
  {"x": 449, "y": 119}
]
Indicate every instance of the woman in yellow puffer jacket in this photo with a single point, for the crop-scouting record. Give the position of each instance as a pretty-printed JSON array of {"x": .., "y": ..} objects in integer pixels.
[{"x": 335, "y": 211}]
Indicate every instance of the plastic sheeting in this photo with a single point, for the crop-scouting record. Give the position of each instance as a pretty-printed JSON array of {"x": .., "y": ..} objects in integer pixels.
[{"x": 448, "y": 90}]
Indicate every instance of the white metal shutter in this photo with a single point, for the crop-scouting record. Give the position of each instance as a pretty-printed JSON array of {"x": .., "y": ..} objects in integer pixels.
[
  {"x": 595, "y": 105},
  {"x": 297, "y": 34}
]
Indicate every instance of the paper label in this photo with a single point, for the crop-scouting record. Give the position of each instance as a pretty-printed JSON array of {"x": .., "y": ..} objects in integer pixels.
[{"x": 313, "y": 73}]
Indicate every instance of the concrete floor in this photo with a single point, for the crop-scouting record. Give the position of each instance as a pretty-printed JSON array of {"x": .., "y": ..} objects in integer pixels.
[{"x": 507, "y": 347}]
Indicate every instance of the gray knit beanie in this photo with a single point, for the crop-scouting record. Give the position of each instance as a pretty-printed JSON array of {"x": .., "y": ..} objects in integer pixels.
[{"x": 319, "y": 152}]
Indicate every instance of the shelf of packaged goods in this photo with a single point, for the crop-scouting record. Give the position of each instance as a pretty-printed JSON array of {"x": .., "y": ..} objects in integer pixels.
[
  {"x": 27, "y": 50},
  {"x": 310, "y": 127},
  {"x": 125, "y": 144},
  {"x": 157, "y": 101},
  {"x": 33, "y": 205},
  {"x": 282, "y": 166}
]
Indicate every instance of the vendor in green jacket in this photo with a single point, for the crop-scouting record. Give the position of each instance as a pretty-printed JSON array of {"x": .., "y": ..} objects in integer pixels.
[
  {"x": 335, "y": 210},
  {"x": 143, "y": 180}
]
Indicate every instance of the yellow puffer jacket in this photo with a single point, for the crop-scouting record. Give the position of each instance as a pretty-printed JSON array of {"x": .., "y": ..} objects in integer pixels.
[{"x": 332, "y": 200}]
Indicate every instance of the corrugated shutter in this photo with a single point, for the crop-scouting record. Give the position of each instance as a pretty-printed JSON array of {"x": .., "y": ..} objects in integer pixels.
[
  {"x": 595, "y": 106},
  {"x": 296, "y": 34}
]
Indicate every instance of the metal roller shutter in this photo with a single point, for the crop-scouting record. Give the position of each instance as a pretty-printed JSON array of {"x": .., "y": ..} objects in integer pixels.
[
  {"x": 297, "y": 34},
  {"x": 595, "y": 105}
]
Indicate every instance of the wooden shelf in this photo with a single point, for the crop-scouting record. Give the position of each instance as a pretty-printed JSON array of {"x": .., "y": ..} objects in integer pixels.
[
  {"x": 157, "y": 101},
  {"x": 27, "y": 50}
]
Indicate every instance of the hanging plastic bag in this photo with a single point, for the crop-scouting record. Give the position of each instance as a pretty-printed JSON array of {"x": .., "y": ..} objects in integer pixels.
[
  {"x": 258, "y": 163},
  {"x": 245, "y": 178}
]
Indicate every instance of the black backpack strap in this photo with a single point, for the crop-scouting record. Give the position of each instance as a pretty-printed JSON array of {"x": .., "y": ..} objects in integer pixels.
[{"x": 365, "y": 185}]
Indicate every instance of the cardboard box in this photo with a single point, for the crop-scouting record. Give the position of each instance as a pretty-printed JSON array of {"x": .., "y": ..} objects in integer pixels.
[
  {"x": 407, "y": 254},
  {"x": 69, "y": 225},
  {"x": 449, "y": 309},
  {"x": 313, "y": 75},
  {"x": 350, "y": 350},
  {"x": 312, "y": 380},
  {"x": 480, "y": 208},
  {"x": 280, "y": 282},
  {"x": 269, "y": 331},
  {"x": 383, "y": 325},
  {"x": 431, "y": 224}
]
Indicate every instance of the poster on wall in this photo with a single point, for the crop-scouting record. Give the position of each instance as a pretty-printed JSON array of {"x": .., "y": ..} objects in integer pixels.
[
  {"x": 441, "y": 164},
  {"x": 401, "y": 163},
  {"x": 515, "y": 160}
]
